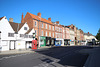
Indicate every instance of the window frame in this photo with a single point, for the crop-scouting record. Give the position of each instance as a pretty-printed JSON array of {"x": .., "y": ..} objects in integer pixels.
[
  {"x": 35, "y": 23},
  {"x": 25, "y": 28}
]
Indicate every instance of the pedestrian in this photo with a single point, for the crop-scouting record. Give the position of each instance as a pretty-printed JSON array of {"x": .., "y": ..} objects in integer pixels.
[{"x": 34, "y": 44}]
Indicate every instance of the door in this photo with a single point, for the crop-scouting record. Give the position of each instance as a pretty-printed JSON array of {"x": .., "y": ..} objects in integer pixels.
[{"x": 12, "y": 45}]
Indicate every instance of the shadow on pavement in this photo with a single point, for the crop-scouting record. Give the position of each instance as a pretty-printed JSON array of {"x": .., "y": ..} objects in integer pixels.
[{"x": 68, "y": 56}]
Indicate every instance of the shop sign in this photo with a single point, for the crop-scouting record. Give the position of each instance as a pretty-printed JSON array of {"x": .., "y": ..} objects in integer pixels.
[{"x": 42, "y": 38}]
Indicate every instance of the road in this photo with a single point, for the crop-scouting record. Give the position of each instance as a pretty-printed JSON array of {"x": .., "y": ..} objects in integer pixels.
[{"x": 67, "y": 56}]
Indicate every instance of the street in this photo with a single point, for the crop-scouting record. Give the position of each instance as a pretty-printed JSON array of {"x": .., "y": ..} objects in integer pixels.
[{"x": 49, "y": 57}]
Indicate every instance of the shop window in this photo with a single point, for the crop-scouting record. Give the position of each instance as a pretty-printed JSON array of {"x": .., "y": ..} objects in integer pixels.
[{"x": 52, "y": 42}]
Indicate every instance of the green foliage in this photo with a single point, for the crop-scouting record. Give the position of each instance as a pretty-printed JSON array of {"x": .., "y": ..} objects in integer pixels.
[{"x": 98, "y": 35}]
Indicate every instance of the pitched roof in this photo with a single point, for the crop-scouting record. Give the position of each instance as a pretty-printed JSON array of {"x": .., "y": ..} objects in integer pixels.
[
  {"x": 41, "y": 19},
  {"x": 88, "y": 34},
  {"x": 15, "y": 26},
  {"x": 28, "y": 31},
  {"x": 20, "y": 26},
  {"x": 1, "y": 18}
]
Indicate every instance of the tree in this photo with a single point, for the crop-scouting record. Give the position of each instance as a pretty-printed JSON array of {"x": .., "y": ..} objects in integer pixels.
[{"x": 98, "y": 35}]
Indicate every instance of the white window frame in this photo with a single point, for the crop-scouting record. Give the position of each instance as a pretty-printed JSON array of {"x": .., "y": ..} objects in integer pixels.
[
  {"x": 25, "y": 28},
  {"x": 53, "y": 34},
  {"x": 46, "y": 26},
  {"x": 53, "y": 28},
  {"x": 46, "y": 33},
  {"x": 35, "y": 23},
  {"x": 49, "y": 27},
  {"x": 42, "y": 25}
]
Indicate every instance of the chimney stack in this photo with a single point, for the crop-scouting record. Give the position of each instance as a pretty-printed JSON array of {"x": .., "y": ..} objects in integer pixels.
[
  {"x": 39, "y": 14},
  {"x": 88, "y": 32},
  {"x": 57, "y": 22},
  {"x": 22, "y": 21},
  {"x": 10, "y": 19},
  {"x": 49, "y": 19}
]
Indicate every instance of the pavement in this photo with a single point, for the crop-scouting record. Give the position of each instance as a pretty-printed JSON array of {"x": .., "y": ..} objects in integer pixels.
[{"x": 20, "y": 51}]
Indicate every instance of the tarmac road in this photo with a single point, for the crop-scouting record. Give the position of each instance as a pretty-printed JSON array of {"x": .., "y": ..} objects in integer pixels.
[{"x": 67, "y": 56}]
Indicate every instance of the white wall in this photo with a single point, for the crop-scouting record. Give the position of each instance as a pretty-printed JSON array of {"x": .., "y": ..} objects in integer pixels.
[
  {"x": 5, "y": 45},
  {"x": 22, "y": 31},
  {"x": 5, "y": 28},
  {"x": 20, "y": 44}
]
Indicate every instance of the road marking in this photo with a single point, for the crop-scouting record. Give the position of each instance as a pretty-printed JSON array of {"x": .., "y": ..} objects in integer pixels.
[{"x": 13, "y": 56}]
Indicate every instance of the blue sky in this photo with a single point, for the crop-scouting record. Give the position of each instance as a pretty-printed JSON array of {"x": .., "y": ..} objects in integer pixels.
[{"x": 84, "y": 14}]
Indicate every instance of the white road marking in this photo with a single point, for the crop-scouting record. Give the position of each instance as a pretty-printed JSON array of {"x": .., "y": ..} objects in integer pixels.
[{"x": 13, "y": 56}]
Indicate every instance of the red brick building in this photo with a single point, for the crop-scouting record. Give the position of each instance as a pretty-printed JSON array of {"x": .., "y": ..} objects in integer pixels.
[{"x": 41, "y": 26}]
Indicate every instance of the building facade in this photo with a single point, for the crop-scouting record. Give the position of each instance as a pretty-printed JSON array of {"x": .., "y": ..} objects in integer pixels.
[{"x": 14, "y": 35}]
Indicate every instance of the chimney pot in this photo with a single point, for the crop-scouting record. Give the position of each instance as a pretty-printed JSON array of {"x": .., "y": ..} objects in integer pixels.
[
  {"x": 49, "y": 19},
  {"x": 57, "y": 22},
  {"x": 10, "y": 19},
  {"x": 39, "y": 14}
]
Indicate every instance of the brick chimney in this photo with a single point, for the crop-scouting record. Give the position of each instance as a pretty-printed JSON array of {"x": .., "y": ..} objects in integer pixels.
[
  {"x": 49, "y": 19},
  {"x": 57, "y": 22},
  {"x": 22, "y": 21},
  {"x": 88, "y": 32},
  {"x": 39, "y": 14},
  {"x": 10, "y": 19}
]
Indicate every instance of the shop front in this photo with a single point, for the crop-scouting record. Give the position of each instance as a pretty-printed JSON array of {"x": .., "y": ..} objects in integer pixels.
[
  {"x": 48, "y": 41},
  {"x": 66, "y": 41},
  {"x": 52, "y": 41},
  {"x": 59, "y": 42},
  {"x": 42, "y": 41},
  {"x": 82, "y": 42},
  {"x": 71, "y": 42}
]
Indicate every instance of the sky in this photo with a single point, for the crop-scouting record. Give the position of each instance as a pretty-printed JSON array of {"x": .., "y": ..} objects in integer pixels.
[{"x": 84, "y": 14}]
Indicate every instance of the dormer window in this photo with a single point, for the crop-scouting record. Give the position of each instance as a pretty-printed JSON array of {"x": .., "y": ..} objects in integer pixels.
[{"x": 25, "y": 28}]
